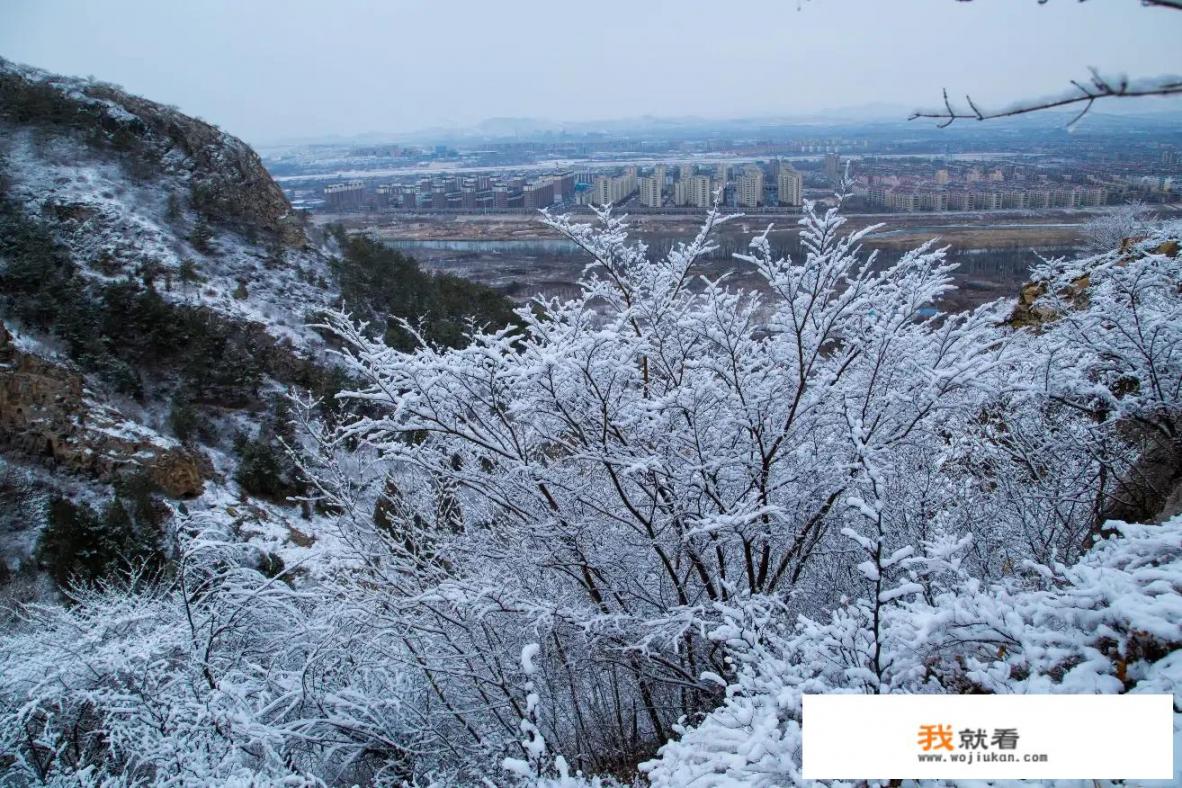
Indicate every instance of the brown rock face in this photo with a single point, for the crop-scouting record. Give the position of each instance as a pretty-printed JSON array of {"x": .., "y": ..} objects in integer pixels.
[
  {"x": 177, "y": 474},
  {"x": 46, "y": 413},
  {"x": 1027, "y": 312}
]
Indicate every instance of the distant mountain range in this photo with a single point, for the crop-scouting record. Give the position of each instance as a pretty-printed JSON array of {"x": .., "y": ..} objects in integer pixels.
[{"x": 1151, "y": 113}]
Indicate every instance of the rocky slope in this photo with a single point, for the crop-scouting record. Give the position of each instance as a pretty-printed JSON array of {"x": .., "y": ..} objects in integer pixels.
[
  {"x": 154, "y": 291},
  {"x": 131, "y": 187},
  {"x": 47, "y": 410}
]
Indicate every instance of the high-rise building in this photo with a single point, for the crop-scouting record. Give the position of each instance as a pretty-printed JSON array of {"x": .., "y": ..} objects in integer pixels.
[
  {"x": 749, "y": 193},
  {"x": 650, "y": 192},
  {"x": 833, "y": 166},
  {"x": 564, "y": 186},
  {"x": 601, "y": 190},
  {"x": 685, "y": 171},
  {"x": 697, "y": 190},
  {"x": 613, "y": 190},
  {"x": 722, "y": 175},
  {"x": 538, "y": 195},
  {"x": 791, "y": 185},
  {"x": 627, "y": 183},
  {"x": 701, "y": 191},
  {"x": 348, "y": 196},
  {"x": 389, "y": 195}
]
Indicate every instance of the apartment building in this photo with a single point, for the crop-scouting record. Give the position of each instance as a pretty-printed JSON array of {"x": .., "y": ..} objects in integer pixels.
[
  {"x": 348, "y": 196},
  {"x": 790, "y": 185},
  {"x": 613, "y": 189},
  {"x": 650, "y": 191},
  {"x": 749, "y": 191}
]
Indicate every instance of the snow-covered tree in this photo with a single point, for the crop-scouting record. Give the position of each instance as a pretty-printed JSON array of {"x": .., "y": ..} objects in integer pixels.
[
  {"x": 1106, "y": 232},
  {"x": 637, "y": 527},
  {"x": 658, "y": 445}
]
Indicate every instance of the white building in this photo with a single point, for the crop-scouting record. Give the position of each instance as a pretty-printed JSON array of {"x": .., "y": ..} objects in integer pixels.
[
  {"x": 749, "y": 191},
  {"x": 650, "y": 192},
  {"x": 613, "y": 190},
  {"x": 791, "y": 186}
]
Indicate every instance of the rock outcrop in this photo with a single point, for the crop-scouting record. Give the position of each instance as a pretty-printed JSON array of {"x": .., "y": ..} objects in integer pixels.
[
  {"x": 1032, "y": 311},
  {"x": 47, "y": 413},
  {"x": 227, "y": 180}
]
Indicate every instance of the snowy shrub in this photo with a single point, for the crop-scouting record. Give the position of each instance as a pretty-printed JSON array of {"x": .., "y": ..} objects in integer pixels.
[
  {"x": 220, "y": 676},
  {"x": 601, "y": 479},
  {"x": 612, "y": 477},
  {"x": 1110, "y": 624}
]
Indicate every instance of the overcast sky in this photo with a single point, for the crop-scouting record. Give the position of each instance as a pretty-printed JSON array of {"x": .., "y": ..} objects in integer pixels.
[{"x": 269, "y": 70}]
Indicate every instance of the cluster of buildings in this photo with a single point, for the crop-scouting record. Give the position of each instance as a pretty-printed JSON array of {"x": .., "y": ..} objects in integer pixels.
[
  {"x": 657, "y": 187},
  {"x": 480, "y": 192},
  {"x": 976, "y": 189},
  {"x": 1007, "y": 185},
  {"x": 903, "y": 184},
  {"x": 985, "y": 197},
  {"x": 692, "y": 186},
  {"x": 1154, "y": 184}
]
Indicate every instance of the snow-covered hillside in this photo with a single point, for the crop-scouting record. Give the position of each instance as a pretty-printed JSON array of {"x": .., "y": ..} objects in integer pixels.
[
  {"x": 186, "y": 203},
  {"x": 127, "y": 199}
]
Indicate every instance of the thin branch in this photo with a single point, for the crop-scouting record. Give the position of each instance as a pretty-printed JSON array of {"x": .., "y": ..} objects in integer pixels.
[{"x": 1081, "y": 93}]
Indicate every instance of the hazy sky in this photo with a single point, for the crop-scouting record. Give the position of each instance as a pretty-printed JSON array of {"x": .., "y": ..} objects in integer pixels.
[{"x": 275, "y": 69}]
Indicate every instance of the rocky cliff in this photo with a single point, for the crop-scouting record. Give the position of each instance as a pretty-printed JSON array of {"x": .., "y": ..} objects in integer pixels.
[
  {"x": 155, "y": 289},
  {"x": 226, "y": 179},
  {"x": 47, "y": 411},
  {"x": 134, "y": 189}
]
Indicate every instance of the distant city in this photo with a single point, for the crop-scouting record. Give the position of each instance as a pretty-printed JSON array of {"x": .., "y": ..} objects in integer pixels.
[{"x": 893, "y": 168}]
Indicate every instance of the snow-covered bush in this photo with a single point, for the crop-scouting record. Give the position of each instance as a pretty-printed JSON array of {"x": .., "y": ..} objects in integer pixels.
[
  {"x": 1106, "y": 232},
  {"x": 601, "y": 479},
  {"x": 1115, "y": 347},
  {"x": 219, "y": 676},
  {"x": 1110, "y": 624},
  {"x": 613, "y": 476}
]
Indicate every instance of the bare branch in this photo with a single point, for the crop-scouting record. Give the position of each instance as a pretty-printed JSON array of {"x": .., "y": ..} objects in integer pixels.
[{"x": 1080, "y": 93}]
